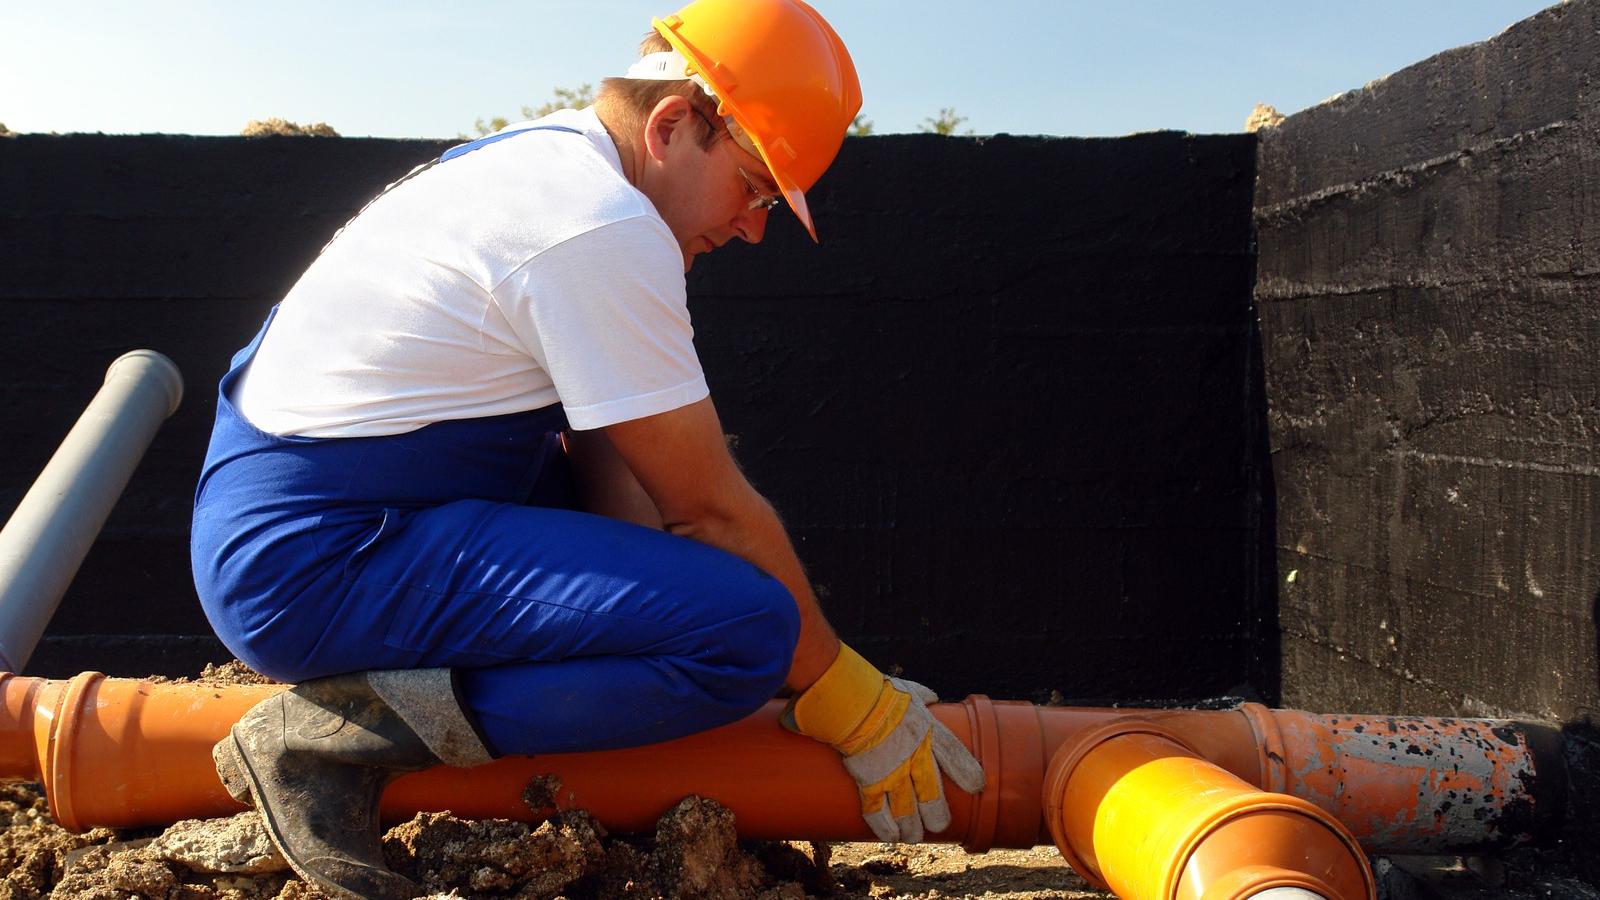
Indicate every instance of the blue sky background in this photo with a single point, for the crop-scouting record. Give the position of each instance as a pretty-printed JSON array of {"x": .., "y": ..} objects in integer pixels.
[{"x": 412, "y": 69}]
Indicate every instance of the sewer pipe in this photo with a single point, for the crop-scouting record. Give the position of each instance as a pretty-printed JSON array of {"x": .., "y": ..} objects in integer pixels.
[
  {"x": 121, "y": 752},
  {"x": 53, "y": 527}
]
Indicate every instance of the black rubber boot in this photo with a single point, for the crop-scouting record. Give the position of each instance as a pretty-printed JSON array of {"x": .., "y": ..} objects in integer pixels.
[{"x": 315, "y": 760}]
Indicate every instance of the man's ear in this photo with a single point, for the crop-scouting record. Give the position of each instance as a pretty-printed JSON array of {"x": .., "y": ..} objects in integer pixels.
[{"x": 668, "y": 122}]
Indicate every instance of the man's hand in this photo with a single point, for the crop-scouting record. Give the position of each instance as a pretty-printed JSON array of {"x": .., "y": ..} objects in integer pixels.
[{"x": 892, "y": 745}]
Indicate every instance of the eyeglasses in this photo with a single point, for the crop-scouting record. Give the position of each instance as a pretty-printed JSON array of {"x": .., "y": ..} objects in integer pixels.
[
  {"x": 760, "y": 199},
  {"x": 767, "y": 202}
]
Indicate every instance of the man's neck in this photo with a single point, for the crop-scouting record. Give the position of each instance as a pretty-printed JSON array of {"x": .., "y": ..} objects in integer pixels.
[{"x": 628, "y": 147}]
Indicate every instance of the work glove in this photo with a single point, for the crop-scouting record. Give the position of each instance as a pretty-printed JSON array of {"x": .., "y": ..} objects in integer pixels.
[{"x": 892, "y": 746}]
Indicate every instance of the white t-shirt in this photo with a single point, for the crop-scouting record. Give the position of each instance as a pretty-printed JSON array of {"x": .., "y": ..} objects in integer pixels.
[{"x": 523, "y": 273}]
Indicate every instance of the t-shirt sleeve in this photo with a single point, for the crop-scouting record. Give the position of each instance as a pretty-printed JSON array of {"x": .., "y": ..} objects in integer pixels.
[{"x": 605, "y": 313}]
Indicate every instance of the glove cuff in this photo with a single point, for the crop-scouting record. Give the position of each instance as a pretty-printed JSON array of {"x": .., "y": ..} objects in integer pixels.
[{"x": 832, "y": 708}]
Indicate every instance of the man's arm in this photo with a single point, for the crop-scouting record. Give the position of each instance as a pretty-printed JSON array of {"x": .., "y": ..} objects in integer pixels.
[
  {"x": 682, "y": 462},
  {"x": 893, "y": 747},
  {"x": 604, "y": 483}
]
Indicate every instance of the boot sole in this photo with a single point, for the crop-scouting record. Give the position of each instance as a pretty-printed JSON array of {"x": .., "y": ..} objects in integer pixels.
[
  {"x": 241, "y": 775},
  {"x": 231, "y": 771}
]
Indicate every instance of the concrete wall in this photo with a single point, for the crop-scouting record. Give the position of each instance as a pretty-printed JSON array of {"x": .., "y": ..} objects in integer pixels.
[
  {"x": 1430, "y": 306},
  {"x": 1011, "y": 407}
]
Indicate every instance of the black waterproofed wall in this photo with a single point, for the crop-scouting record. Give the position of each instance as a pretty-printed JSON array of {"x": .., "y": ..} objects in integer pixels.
[
  {"x": 1430, "y": 301},
  {"x": 1011, "y": 407}
]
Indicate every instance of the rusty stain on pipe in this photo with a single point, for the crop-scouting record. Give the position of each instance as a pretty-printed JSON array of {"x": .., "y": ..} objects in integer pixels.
[
  {"x": 1472, "y": 782},
  {"x": 121, "y": 752}
]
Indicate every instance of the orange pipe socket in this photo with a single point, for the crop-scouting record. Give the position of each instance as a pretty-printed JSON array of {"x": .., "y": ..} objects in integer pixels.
[
  {"x": 119, "y": 752},
  {"x": 1135, "y": 809}
]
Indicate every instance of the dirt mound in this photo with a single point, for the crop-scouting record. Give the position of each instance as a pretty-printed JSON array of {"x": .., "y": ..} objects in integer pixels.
[
  {"x": 230, "y": 672},
  {"x": 264, "y": 127},
  {"x": 1263, "y": 116},
  {"x": 32, "y": 845},
  {"x": 495, "y": 857}
]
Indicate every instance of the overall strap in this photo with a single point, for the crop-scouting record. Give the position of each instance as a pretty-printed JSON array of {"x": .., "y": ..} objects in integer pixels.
[
  {"x": 462, "y": 149},
  {"x": 452, "y": 153}
]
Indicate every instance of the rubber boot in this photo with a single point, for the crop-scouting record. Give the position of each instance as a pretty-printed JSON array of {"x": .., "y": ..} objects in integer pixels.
[{"x": 315, "y": 760}]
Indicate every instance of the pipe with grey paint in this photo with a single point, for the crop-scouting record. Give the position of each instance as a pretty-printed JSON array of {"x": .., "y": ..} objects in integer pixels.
[{"x": 53, "y": 527}]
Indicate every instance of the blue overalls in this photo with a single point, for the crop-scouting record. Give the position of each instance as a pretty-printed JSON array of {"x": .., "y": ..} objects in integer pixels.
[{"x": 455, "y": 545}]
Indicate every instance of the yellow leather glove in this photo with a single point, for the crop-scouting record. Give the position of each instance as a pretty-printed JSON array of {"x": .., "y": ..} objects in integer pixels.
[{"x": 892, "y": 746}]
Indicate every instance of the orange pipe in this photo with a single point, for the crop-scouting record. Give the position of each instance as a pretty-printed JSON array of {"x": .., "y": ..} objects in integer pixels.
[
  {"x": 119, "y": 752},
  {"x": 1136, "y": 810}
]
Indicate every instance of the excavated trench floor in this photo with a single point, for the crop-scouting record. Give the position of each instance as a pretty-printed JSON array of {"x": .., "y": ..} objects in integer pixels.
[{"x": 693, "y": 855}]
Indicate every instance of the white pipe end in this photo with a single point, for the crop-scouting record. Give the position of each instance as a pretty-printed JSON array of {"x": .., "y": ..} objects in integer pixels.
[{"x": 156, "y": 366}]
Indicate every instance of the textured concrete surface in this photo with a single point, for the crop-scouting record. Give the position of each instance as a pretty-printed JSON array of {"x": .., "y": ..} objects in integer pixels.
[
  {"x": 1429, "y": 286},
  {"x": 1011, "y": 406}
]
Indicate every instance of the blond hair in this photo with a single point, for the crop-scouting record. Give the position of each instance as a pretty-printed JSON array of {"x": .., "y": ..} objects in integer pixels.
[{"x": 629, "y": 101}]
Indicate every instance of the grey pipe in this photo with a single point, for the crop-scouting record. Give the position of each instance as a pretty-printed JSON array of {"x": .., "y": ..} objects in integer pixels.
[{"x": 53, "y": 527}]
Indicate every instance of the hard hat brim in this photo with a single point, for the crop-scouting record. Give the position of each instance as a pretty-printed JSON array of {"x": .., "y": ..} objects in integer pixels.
[{"x": 796, "y": 199}]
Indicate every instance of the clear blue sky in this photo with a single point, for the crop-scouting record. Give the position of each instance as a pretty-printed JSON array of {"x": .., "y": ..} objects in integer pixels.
[{"x": 409, "y": 69}]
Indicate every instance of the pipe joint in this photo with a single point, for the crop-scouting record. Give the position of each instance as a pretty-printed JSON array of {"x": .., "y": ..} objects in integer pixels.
[
  {"x": 1135, "y": 809},
  {"x": 984, "y": 727}
]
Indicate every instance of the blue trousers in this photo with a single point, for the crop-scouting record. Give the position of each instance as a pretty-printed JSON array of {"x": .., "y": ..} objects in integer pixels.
[{"x": 455, "y": 546}]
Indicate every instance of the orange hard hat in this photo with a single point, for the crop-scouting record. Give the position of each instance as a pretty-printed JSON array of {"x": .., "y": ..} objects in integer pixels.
[{"x": 780, "y": 72}]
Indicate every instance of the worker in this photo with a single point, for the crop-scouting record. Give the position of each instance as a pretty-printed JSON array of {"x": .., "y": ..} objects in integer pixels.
[{"x": 468, "y": 489}]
